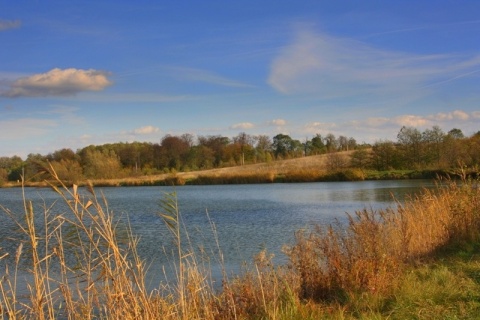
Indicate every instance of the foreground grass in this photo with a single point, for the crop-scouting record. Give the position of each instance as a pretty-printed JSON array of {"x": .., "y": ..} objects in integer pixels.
[
  {"x": 439, "y": 289},
  {"x": 420, "y": 260},
  {"x": 448, "y": 289}
]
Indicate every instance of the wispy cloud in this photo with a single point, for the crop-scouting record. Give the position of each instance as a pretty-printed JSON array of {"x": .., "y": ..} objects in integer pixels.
[
  {"x": 322, "y": 126},
  {"x": 23, "y": 128},
  {"x": 277, "y": 122},
  {"x": 136, "y": 97},
  {"x": 58, "y": 82},
  {"x": 332, "y": 67},
  {"x": 200, "y": 75},
  {"x": 145, "y": 130},
  {"x": 378, "y": 128},
  {"x": 454, "y": 115},
  {"x": 452, "y": 118},
  {"x": 9, "y": 24},
  {"x": 66, "y": 115},
  {"x": 453, "y": 78},
  {"x": 242, "y": 125},
  {"x": 423, "y": 27}
]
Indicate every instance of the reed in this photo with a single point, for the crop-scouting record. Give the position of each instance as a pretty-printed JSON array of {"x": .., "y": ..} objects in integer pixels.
[
  {"x": 80, "y": 269},
  {"x": 370, "y": 253}
]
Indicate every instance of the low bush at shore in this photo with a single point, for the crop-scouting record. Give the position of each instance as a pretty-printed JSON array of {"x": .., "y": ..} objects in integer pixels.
[{"x": 417, "y": 260}]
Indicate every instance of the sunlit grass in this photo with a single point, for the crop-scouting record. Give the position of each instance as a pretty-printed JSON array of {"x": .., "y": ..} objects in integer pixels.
[{"x": 419, "y": 260}]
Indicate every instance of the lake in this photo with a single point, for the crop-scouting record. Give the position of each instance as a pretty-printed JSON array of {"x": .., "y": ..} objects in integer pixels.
[{"x": 247, "y": 218}]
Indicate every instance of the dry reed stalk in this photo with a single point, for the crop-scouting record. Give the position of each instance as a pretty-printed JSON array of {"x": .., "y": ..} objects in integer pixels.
[
  {"x": 99, "y": 276},
  {"x": 104, "y": 279},
  {"x": 372, "y": 250}
]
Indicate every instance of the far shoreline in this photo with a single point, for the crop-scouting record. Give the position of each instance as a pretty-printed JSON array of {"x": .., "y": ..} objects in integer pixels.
[{"x": 225, "y": 177}]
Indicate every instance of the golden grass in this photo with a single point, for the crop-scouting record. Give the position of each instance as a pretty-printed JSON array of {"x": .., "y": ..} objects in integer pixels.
[
  {"x": 373, "y": 250},
  {"x": 336, "y": 272}
]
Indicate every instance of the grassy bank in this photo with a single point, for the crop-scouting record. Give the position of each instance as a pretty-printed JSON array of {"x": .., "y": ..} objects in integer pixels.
[
  {"x": 269, "y": 175},
  {"x": 420, "y": 260},
  {"x": 306, "y": 169},
  {"x": 236, "y": 176}
]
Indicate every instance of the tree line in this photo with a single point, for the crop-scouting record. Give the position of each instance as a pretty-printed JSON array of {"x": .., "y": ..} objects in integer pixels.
[{"x": 413, "y": 149}]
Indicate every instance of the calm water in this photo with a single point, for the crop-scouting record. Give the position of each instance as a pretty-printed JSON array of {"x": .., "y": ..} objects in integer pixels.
[{"x": 248, "y": 218}]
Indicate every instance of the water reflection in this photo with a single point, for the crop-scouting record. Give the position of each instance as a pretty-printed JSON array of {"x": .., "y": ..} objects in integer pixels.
[{"x": 247, "y": 218}]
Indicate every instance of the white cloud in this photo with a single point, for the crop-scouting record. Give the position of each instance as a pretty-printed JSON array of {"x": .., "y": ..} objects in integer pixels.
[
  {"x": 411, "y": 121},
  {"x": 334, "y": 67},
  {"x": 319, "y": 127},
  {"x": 146, "y": 130},
  {"x": 242, "y": 125},
  {"x": 58, "y": 82},
  {"x": 376, "y": 122},
  {"x": 9, "y": 24},
  {"x": 447, "y": 119},
  {"x": 277, "y": 122},
  {"x": 441, "y": 116},
  {"x": 454, "y": 115},
  {"x": 461, "y": 115},
  {"x": 85, "y": 137}
]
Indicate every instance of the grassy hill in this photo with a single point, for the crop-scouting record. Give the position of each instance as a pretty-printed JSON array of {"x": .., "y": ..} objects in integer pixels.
[
  {"x": 317, "y": 168},
  {"x": 305, "y": 169}
]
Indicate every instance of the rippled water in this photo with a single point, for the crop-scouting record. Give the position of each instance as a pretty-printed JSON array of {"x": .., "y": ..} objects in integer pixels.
[{"x": 247, "y": 218}]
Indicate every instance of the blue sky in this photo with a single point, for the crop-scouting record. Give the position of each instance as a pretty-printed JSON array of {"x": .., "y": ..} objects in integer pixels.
[{"x": 75, "y": 73}]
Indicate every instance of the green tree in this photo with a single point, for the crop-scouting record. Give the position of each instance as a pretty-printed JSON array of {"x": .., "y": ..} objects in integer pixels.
[
  {"x": 317, "y": 146},
  {"x": 263, "y": 148},
  {"x": 456, "y": 133},
  {"x": 281, "y": 145},
  {"x": 473, "y": 147},
  {"x": 342, "y": 142},
  {"x": 296, "y": 148},
  {"x": 174, "y": 151},
  {"x": 3, "y": 176},
  {"x": 331, "y": 143},
  {"x": 351, "y": 144},
  {"x": 101, "y": 164},
  {"x": 217, "y": 145},
  {"x": 35, "y": 167},
  {"x": 13, "y": 166},
  {"x": 204, "y": 157},
  {"x": 410, "y": 142},
  {"x": 62, "y": 154},
  {"x": 67, "y": 170},
  {"x": 360, "y": 159},
  {"x": 384, "y": 156},
  {"x": 433, "y": 140},
  {"x": 245, "y": 143}
]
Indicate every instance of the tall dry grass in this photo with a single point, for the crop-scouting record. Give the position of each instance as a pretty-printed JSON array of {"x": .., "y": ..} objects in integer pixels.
[
  {"x": 370, "y": 253},
  {"x": 79, "y": 268}
]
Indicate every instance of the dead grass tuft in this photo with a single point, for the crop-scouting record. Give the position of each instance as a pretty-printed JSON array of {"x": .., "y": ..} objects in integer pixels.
[{"x": 372, "y": 251}]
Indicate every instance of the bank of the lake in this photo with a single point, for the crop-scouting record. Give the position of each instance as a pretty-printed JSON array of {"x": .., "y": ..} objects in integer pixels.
[
  {"x": 253, "y": 175},
  {"x": 305, "y": 169}
]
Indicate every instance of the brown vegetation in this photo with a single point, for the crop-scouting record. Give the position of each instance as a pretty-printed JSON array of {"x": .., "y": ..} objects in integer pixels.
[{"x": 329, "y": 269}]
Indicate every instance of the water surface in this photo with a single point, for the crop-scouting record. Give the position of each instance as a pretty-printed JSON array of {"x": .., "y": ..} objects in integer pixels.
[{"x": 246, "y": 218}]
